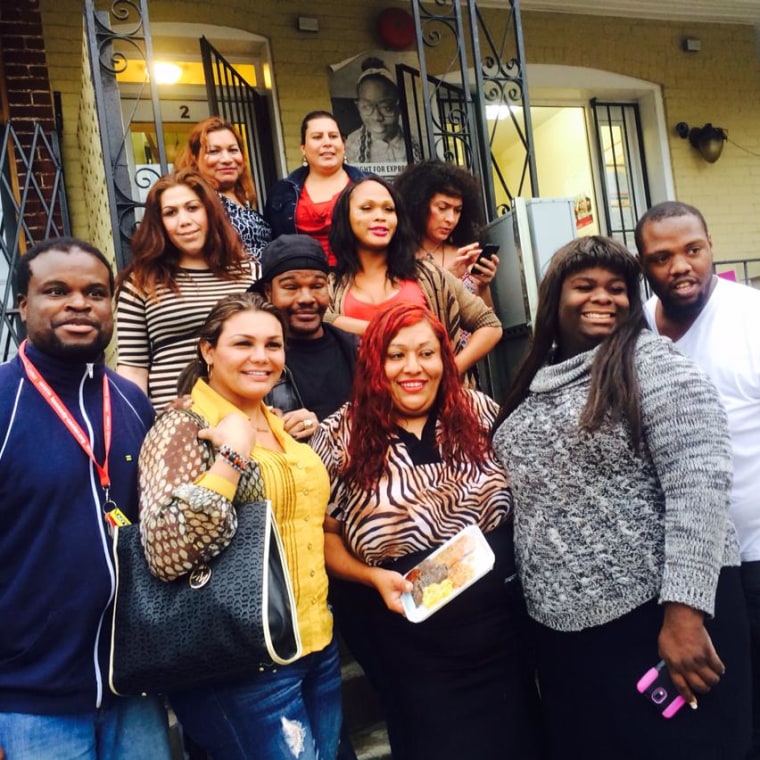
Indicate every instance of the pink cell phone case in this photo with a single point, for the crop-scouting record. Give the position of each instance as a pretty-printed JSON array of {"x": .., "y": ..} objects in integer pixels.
[{"x": 647, "y": 680}]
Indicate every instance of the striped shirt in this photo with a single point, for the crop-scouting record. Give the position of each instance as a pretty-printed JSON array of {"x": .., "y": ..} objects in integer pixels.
[
  {"x": 412, "y": 508},
  {"x": 161, "y": 334}
]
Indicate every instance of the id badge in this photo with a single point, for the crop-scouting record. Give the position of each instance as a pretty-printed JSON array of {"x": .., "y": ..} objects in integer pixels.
[{"x": 115, "y": 518}]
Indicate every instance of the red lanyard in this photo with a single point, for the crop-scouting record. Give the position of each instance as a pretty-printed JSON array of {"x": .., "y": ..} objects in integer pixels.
[{"x": 71, "y": 424}]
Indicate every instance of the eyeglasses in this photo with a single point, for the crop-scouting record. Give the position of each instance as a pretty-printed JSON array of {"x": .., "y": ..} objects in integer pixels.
[{"x": 383, "y": 107}]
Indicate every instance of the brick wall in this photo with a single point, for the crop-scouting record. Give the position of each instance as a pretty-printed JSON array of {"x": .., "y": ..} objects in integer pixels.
[{"x": 29, "y": 102}]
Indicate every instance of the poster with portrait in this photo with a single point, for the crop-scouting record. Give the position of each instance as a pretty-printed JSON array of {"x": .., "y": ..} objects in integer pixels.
[{"x": 365, "y": 100}]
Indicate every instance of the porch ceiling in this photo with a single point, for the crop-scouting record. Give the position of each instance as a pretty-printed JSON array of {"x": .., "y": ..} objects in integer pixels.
[{"x": 720, "y": 11}]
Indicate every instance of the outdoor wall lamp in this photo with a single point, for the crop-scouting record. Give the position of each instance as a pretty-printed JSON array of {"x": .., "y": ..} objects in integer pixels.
[{"x": 708, "y": 140}]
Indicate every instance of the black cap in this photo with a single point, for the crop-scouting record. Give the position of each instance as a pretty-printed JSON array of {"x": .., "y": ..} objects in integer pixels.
[{"x": 289, "y": 252}]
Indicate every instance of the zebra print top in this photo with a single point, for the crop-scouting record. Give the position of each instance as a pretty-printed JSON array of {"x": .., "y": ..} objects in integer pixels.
[
  {"x": 412, "y": 508},
  {"x": 161, "y": 334}
]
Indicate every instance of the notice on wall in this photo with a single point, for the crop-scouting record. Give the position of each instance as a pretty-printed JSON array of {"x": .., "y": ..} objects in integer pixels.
[{"x": 584, "y": 213}]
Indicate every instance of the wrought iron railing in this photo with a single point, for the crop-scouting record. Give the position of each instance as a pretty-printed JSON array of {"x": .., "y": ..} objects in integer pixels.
[
  {"x": 468, "y": 65},
  {"x": 33, "y": 208},
  {"x": 746, "y": 271},
  {"x": 114, "y": 37}
]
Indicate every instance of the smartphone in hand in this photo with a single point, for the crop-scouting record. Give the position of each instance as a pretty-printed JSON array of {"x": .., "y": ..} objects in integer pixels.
[
  {"x": 657, "y": 688},
  {"x": 489, "y": 250}
]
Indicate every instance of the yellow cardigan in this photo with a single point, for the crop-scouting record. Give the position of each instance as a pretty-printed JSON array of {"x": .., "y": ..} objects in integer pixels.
[{"x": 298, "y": 486}]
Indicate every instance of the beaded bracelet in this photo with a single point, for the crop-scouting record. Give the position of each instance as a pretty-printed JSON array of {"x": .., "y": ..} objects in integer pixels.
[{"x": 236, "y": 461}]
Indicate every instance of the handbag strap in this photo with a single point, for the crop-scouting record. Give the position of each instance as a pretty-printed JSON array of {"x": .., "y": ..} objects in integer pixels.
[{"x": 251, "y": 483}]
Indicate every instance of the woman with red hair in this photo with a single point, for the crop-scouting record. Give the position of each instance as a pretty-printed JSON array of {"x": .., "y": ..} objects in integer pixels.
[
  {"x": 216, "y": 151},
  {"x": 411, "y": 465}
]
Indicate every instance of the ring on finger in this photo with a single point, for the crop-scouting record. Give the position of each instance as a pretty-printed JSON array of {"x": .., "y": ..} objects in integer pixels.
[{"x": 308, "y": 422}]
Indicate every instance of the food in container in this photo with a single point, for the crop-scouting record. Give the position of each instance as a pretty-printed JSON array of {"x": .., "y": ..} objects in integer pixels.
[{"x": 446, "y": 573}]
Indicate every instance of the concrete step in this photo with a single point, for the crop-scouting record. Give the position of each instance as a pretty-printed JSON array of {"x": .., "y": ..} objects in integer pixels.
[
  {"x": 371, "y": 743},
  {"x": 361, "y": 704},
  {"x": 362, "y": 712}
]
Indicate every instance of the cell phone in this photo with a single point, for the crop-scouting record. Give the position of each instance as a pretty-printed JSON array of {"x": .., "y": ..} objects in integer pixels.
[
  {"x": 657, "y": 688},
  {"x": 488, "y": 252}
]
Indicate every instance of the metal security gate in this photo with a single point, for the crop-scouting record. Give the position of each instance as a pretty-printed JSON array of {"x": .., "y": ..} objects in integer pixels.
[
  {"x": 232, "y": 98},
  {"x": 620, "y": 153},
  {"x": 478, "y": 65},
  {"x": 121, "y": 33},
  {"x": 33, "y": 208}
]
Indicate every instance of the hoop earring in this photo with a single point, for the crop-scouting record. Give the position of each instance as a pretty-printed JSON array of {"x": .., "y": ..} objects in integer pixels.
[{"x": 209, "y": 370}]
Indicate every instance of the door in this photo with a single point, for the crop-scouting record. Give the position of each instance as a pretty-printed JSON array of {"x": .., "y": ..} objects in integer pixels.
[
  {"x": 232, "y": 98},
  {"x": 623, "y": 177}
]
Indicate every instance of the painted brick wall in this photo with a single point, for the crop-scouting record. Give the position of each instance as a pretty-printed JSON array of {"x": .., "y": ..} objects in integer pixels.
[
  {"x": 99, "y": 227},
  {"x": 721, "y": 84}
]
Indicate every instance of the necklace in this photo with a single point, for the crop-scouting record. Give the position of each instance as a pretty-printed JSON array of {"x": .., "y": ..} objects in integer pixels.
[
  {"x": 430, "y": 255},
  {"x": 256, "y": 423}
]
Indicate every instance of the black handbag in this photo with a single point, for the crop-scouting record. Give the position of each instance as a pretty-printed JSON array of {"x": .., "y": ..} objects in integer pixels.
[{"x": 225, "y": 620}]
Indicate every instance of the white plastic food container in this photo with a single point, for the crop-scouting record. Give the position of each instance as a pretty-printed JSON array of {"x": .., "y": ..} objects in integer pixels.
[{"x": 447, "y": 572}]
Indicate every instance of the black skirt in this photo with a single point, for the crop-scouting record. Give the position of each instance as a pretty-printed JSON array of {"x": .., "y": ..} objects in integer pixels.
[
  {"x": 594, "y": 712},
  {"x": 460, "y": 684}
]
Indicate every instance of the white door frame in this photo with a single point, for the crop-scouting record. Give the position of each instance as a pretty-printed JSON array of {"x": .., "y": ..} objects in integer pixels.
[{"x": 552, "y": 85}]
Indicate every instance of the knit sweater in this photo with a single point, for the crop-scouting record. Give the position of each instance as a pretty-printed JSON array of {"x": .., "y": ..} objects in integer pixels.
[
  {"x": 56, "y": 572},
  {"x": 601, "y": 528}
]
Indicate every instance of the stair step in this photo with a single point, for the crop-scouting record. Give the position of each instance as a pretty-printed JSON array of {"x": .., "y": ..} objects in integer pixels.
[{"x": 371, "y": 743}]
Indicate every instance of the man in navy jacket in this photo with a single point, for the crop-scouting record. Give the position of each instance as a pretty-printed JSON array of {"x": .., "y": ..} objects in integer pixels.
[{"x": 59, "y": 477}]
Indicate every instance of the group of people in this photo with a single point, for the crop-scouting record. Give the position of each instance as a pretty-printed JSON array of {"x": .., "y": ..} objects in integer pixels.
[{"x": 329, "y": 370}]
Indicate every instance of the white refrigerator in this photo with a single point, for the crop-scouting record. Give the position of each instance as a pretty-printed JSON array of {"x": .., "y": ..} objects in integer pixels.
[{"x": 527, "y": 236}]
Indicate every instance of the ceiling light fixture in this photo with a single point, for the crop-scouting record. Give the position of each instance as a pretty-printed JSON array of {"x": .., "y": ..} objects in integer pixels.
[{"x": 167, "y": 73}]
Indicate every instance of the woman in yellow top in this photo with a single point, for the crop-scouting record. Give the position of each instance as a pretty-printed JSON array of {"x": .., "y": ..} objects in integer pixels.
[{"x": 195, "y": 466}]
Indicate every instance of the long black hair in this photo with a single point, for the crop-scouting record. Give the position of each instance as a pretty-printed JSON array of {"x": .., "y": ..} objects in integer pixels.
[
  {"x": 614, "y": 392},
  {"x": 401, "y": 248}
]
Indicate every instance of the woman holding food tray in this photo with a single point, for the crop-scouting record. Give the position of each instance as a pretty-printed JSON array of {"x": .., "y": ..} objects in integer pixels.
[{"x": 411, "y": 467}]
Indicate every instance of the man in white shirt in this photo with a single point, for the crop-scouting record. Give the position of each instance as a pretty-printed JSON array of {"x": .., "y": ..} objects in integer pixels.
[{"x": 717, "y": 323}]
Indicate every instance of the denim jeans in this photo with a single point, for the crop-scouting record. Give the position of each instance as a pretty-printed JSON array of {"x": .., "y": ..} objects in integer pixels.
[
  {"x": 134, "y": 727},
  {"x": 289, "y": 711}
]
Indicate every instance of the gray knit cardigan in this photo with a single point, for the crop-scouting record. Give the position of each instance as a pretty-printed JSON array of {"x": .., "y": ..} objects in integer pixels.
[{"x": 599, "y": 528}]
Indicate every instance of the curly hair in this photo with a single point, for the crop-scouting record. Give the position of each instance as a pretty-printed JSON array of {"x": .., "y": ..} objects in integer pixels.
[
  {"x": 197, "y": 143},
  {"x": 417, "y": 185},
  {"x": 155, "y": 259},
  {"x": 614, "y": 392},
  {"x": 463, "y": 439},
  {"x": 400, "y": 252}
]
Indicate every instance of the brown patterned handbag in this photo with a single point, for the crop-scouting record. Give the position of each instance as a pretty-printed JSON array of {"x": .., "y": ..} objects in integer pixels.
[{"x": 229, "y": 618}]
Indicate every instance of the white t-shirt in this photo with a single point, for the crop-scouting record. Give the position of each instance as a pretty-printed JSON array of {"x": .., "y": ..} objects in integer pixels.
[{"x": 724, "y": 341}]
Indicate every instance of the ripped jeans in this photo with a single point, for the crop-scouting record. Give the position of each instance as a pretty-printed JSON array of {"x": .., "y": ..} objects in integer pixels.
[{"x": 293, "y": 711}]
